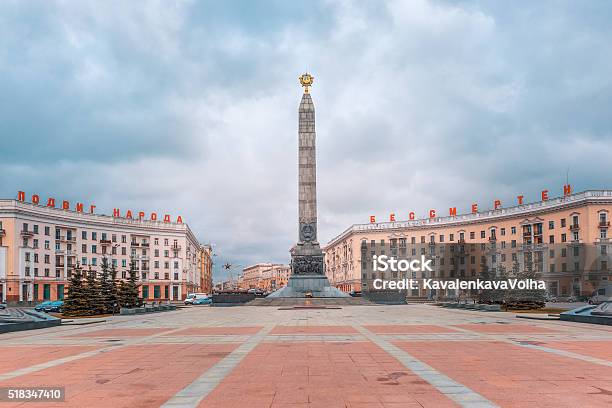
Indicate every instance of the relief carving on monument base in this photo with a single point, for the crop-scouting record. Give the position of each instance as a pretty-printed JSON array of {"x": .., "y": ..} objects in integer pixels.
[{"x": 307, "y": 265}]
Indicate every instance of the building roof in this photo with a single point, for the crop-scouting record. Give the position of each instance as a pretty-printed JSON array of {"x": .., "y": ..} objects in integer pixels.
[{"x": 573, "y": 200}]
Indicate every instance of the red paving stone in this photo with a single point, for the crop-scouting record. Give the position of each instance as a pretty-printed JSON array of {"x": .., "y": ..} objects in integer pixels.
[
  {"x": 121, "y": 332},
  {"x": 314, "y": 330},
  {"x": 409, "y": 329},
  {"x": 134, "y": 376},
  {"x": 26, "y": 356},
  {"x": 597, "y": 349},
  {"x": 215, "y": 331},
  {"x": 494, "y": 328},
  {"x": 515, "y": 376},
  {"x": 326, "y": 375}
]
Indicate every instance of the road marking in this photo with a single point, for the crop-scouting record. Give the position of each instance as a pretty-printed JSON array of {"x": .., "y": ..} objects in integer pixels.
[
  {"x": 91, "y": 353},
  {"x": 527, "y": 344},
  {"x": 191, "y": 395},
  {"x": 459, "y": 393}
]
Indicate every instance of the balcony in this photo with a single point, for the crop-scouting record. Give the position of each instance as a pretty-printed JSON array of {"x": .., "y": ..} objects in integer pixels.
[
  {"x": 105, "y": 242},
  {"x": 63, "y": 238},
  {"x": 175, "y": 247},
  {"x": 574, "y": 227},
  {"x": 602, "y": 224},
  {"x": 26, "y": 233},
  {"x": 145, "y": 245},
  {"x": 134, "y": 244},
  {"x": 2, "y": 232}
]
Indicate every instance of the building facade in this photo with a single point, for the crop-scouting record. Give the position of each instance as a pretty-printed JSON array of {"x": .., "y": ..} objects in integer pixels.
[
  {"x": 205, "y": 264},
  {"x": 266, "y": 277},
  {"x": 40, "y": 246},
  {"x": 565, "y": 241}
]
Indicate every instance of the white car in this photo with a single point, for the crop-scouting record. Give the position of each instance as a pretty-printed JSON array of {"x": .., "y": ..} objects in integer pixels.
[{"x": 193, "y": 296}]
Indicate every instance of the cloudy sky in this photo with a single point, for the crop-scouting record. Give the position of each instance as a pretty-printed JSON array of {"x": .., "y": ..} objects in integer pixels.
[{"x": 191, "y": 108}]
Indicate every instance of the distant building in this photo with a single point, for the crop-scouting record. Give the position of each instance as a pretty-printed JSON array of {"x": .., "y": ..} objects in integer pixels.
[
  {"x": 566, "y": 240},
  {"x": 265, "y": 276},
  {"x": 205, "y": 266},
  {"x": 40, "y": 247}
]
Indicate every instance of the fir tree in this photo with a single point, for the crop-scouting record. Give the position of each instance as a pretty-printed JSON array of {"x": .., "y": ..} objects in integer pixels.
[
  {"x": 76, "y": 302},
  {"x": 107, "y": 297},
  {"x": 113, "y": 294},
  {"x": 94, "y": 298},
  {"x": 128, "y": 289}
]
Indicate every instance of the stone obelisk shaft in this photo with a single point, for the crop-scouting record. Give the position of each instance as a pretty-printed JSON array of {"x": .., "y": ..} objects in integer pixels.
[{"x": 307, "y": 183}]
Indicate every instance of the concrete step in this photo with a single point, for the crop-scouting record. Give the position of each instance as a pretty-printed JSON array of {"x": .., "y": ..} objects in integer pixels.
[{"x": 351, "y": 301}]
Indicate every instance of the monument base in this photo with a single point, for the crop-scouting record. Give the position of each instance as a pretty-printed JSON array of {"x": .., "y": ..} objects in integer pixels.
[{"x": 303, "y": 286}]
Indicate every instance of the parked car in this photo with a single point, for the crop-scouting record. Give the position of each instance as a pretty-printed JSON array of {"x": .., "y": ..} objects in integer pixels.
[
  {"x": 2, "y": 305},
  {"x": 193, "y": 296},
  {"x": 354, "y": 293},
  {"x": 551, "y": 298},
  {"x": 202, "y": 301},
  {"x": 601, "y": 295},
  {"x": 41, "y": 306},
  {"x": 55, "y": 306}
]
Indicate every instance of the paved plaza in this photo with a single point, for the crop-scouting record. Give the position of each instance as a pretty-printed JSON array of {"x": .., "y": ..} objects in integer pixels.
[{"x": 356, "y": 356}]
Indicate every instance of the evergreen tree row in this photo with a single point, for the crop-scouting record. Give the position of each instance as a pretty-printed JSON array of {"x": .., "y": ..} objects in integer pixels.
[{"x": 90, "y": 293}]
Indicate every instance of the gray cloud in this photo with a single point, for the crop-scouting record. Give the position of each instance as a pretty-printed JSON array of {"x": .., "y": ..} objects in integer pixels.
[{"x": 190, "y": 107}]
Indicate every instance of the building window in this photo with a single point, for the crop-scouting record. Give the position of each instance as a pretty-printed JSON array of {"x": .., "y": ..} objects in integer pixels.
[
  {"x": 84, "y": 235},
  {"x": 156, "y": 241},
  {"x": 47, "y": 245},
  {"x": 562, "y": 222},
  {"x": 94, "y": 249},
  {"x": 114, "y": 237},
  {"x": 166, "y": 253},
  {"x": 25, "y": 227},
  {"x": 551, "y": 225},
  {"x": 165, "y": 241},
  {"x": 47, "y": 259},
  {"x": 166, "y": 265},
  {"x": 563, "y": 237},
  {"x": 83, "y": 261},
  {"x": 513, "y": 230},
  {"x": 94, "y": 261},
  {"x": 156, "y": 252},
  {"x": 451, "y": 237},
  {"x": 604, "y": 265},
  {"x": 84, "y": 248},
  {"x": 575, "y": 235},
  {"x": 156, "y": 275},
  {"x": 94, "y": 236},
  {"x": 35, "y": 271},
  {"x": 551, "y": 239},
  {"x": 472, "y": 235},
  {"x": 166, "y": 276},
  {"x": 441, "y": 238},
  {"x": 123, "y": 251},
  {"x": 604, "y": 250},
  {"x": 603, "y": 233},
  {"x": 176, "y": 264},
  {"x": 123, "y": 239},
  {"x": 156, "y": 263},
  {"x": 27, "y": 271},
  {"x": 36, "y": 228},
  {"x": 123, "y": 263},
  {"x": 47, "y": 231},
  {"x": 176, "y": 276},
  {"x": 575, "y": 221}
]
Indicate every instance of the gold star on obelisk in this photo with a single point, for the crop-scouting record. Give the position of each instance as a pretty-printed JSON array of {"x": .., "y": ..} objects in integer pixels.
[{"x": 306, "y": 80}]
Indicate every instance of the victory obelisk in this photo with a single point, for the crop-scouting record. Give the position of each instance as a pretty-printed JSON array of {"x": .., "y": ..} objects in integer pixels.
[{"x": 307, "y": 267}]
